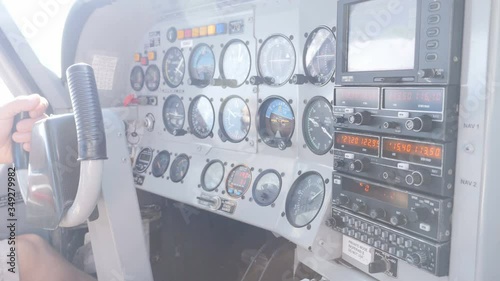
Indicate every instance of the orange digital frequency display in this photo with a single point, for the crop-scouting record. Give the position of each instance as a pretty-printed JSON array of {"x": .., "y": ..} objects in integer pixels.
[
  {"x": 357, "y": 143},
  {"x": 417, "y": 152}
]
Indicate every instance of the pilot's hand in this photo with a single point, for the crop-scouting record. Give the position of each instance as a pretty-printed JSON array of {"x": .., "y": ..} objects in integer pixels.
[{"x": 36, "y": 106}]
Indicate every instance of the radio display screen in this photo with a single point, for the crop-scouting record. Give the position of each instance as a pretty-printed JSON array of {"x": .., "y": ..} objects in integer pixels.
[
  {"x": 357, "y": 97},
  {"x": 382, "y": 35},
  {"x": 414, "y": 99},
  {"x": 396, "y": 198},
  {"x": 415, "y": 152},
  {"x": 357, "y": 143}
]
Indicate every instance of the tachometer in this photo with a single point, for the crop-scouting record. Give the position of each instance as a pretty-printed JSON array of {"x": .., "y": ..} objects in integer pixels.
[
  {"x": 318, "y": 125},
  {"x": 137, "y": 78},
  {"x": 201, "y": 65},
  {"x": 234, "y": 119},
  {"x": 305, "y": 199},
  {"x": 152, "y": 78},
  {"x": 267, "y": 187},
  {"x": 277, "y": 60},
  {"x": 143, "y": 160},
  {"x": 201, "y": 117},
  {"x": 276, "y": 122},
  {"x": 160, "y": 163},
  {"x": 174, "y": 67},
  {"x": 235, "y": 63},
  {"x": 212, "y": 175},
  {"x": 238, "y": 181},
  {"x": 320, "y": 56},
  {"x": 179, "y": 168},
  {"x": 174, "y": 115}
]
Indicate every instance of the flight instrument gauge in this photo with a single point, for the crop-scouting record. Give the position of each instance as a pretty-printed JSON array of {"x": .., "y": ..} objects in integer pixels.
[
  {"x": 212, "y": 175},
  {"x": 318, "y": 125},
  {"x": 320, "y": 56},
  {"x": 201, "y": 65},
  {"x": 238, "y": 181},
  {"x": 305, "y": 199},
  {"x": 277, "y": 60},
  {"x": 235, "y": 63},
  {"x": 180, "y": 167},
  {"x": 152, "y": 78},
  {"x": 267, "y": 187},
  {"x": 174, "y": 115},
  {"x": 137, "y": 78},
  {"x": 201, "y": 117},
  {"x": 174, "y": 67},
  {"x": 276, "y": 122},
  {"x": 143, "y": 160},
  {"x": 234, "y": 119},
  {"x": 160, "y": 164}
]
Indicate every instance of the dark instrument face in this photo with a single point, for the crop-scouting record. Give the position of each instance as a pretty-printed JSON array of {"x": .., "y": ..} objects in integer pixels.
[
  {"x": 174, "y": 67},
  {"x": 174, "y": 114},
  {"x": 152, "y": 78},
  {"x": 160, "y": 163},
  {"x": 179, "y": 168},
  {"x": 137, "y": 78},
  {"x": 305, "y": 199},
  {"x": 320, "y": 56},
  {"x": 201, "y": 117},
  {"x": 318, "y": 125}
]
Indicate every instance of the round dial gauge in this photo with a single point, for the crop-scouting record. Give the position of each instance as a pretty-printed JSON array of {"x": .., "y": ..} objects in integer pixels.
[
  {"x": 137, "y": 78},
  {"x": 276, "y": 122},
  {"x": 320, "y": 56},
  {"x": 305, "y": 199},
  {"x": 234, "y": 119},
  {"x": 238, "y": 181},
  {"x": 267, "y": 187},
  {"x": 318, "y": 125},
  {"x": 235, "y": 63},
  {"x": 277, "y": 60},
  {"x": 202, "y": 65},
  {"x": 173, "y": 114},
  {"x": 174, "y": 67},
  {"x": 152, "y": 78},
  {"x": 180, "y": 167},
  {"x": 201, "y": 117},
  {"x": 212, "y": 175},
  {"x": 160, "y": 163},
  {"x": 143, "y": 160}
]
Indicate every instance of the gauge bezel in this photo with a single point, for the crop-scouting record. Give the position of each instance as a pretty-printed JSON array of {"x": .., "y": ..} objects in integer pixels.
[
  {"x": 221, "y": 119},
  {"x": 257, "y": 180},
  {"x": 305, "y": 122},
  {"x": 246, "y": 190},
  {"x": 163, "y": 152},
  {"x": 156, "y": 68},
  {"x": 137, "y": 159},
  {"x": 306, "y": 48},
  {"x": 292, "y": 191},
  {"x": 223, "y": 53},
  {"x": 190, "y": 66},
  {"x": 259, "y": 67},
  {"x": 261, "y": 131},
  {"x": 190, "y": 119},
  {"x": 168, "y": 127},
  {"x": 203, "y": 173},
  {"x": 174, "y": 163},
  {"x": 164, "y": 68},
  {"x": 143, "y": 78}
]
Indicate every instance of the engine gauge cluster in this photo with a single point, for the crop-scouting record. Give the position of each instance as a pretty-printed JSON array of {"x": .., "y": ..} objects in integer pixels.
[
  {"x": 212, "y": 175},
  {"x": 239, "y": 181}
]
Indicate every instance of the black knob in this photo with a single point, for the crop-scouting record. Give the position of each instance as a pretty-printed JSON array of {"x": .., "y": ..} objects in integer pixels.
[
  {"x": 217, "y": 82},
  {"x": 416, "y": 259},
  {"x": 360, "y": 165},
  {"x": 430, "y": 73},
  {"x": 378, "y": 266},
  {"x": 419, "y": 124},
  {"x": 343, "y": 200},
  {"x": 335, "y": 221},
  {"x": 390, "y": 125},
  {"x": 399, "y": 220},
  {"x": 339, "y": 164},
  {"x": 418, "y": 178},
  {"x": 420, "y": 214},
  {"x": 338, "y": 119},
  {"x": 358, "y": 207},
  {"x": 361, "y": 118},
  {"x": 299, "y": 79},
  {"x": 389, "y": 175},
  {"x": 198, "y": 82},
  {"x": 377, "y": 213},
  {"x": 256, "y": 80}
]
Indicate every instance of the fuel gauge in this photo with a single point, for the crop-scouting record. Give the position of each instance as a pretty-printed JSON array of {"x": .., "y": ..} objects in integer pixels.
[{"x": 152, "y": 78}]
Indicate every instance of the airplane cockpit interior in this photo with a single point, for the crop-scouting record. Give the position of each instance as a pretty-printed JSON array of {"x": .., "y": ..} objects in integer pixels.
[{"x": 257, "y": 140}]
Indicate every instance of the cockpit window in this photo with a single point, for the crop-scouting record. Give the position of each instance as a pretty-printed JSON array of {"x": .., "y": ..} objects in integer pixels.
[
  {"x": 42, "y": 24},
  {"x": 5, "y": 94}
]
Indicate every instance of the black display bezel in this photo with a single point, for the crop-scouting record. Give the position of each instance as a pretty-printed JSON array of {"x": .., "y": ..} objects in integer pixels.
[
  {"x": 143, "y": 78},
  {"x": 175, "y": 163},
  {"x": 190, "y": 119},
  {"x": 202, "y": 178},
  {"x": 155, "y": 68},
  {"x": 164, "y": 68},
  {"x": 221, "y": 60},
  {"x": 190, "y": 66},
  {"x": 256, "y": 182},
  {"x": 227, "y": 181},
  {"x": 261, "y": 126},
  {"x": 163, "y": 152},
  {"x": 260, "y": 53},
  {"x": 292, "y": 191},
  {"x": 167, "y": 124},
  {"x": 306, "y": 48},
  {"x": 305, "y": 123},
  {"x": 221, "y": 119},
  {"x": 138, "y": 159}
]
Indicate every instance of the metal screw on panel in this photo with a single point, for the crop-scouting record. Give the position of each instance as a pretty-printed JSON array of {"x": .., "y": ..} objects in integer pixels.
[
  {"x": 260, "y": 170},
  {"x": 251, "y": 143},
  {"x": 449, "y": 186},
  {"x": 304, "y": 146},
  {"x": 447, "y": 233},
  {"x": 449, "y": 205},
  {"x": 124, "y": 160},
  {"x": 455, "y": 59},
  {"x": 254, "y": 90},
  {"x": 305, "y": 101},
  {"x": 120, "y": 134},
  {"x": 199, "y": 148},
  {"x": 469, "y": 148}
]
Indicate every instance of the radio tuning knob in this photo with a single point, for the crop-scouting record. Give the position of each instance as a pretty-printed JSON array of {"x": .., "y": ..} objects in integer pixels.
[
  {"x": 335, "y": 221},
  {"x": 361, "y": 118},
  {"x": 299, "y": 79},
  {"x": 419, "y": 214},
  {"x": 256, "y": 80},
  {"x": 377, "y": 213},
  {"x": 343, "y": 200},
  {"x": 399, "y": 220},
  {"x": 390, "y": 125},
  {"x": 338, "y": 164},
  {"x": 418, "y": 258},
  {"x": 360, "y": 165},
  {"x": 417, "y": 178},
  {"x": 389, "y": 175},
  {"x": 419, "y": 124},
  {"x": 430, "y": 73},
  {"x": 338, "y": 119},
  {"x": 358, "y": 207}
]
